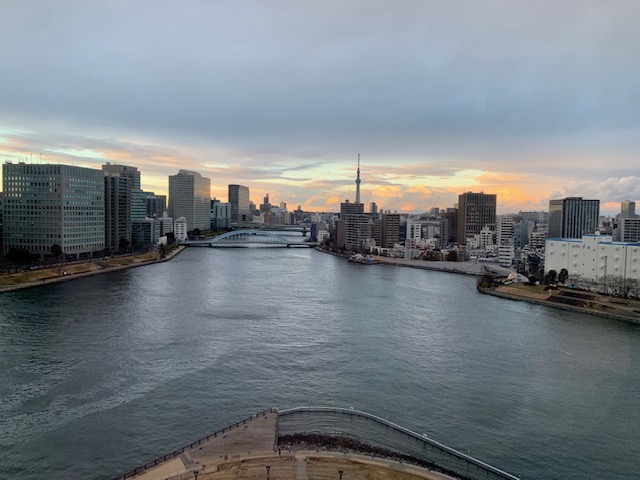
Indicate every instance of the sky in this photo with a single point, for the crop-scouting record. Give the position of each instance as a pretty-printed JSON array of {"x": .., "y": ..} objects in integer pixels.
[{"x": 527, "y": 100}]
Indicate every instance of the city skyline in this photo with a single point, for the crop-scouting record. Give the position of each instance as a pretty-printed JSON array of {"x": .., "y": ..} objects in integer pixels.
[{"x": 528, "y": 102}]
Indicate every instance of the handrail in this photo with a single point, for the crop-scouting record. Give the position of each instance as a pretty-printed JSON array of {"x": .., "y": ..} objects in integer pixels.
[
  {"x": 180, "y": 451},
  {"x": 404, "y": 430}
]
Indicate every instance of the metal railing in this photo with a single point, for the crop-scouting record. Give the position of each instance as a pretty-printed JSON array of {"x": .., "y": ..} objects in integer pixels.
[
  {"x": 448, "y": 458},
  {"x": 175, "y": 453}
]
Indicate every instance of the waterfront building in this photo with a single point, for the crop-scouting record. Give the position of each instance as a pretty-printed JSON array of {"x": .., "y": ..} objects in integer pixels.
[
  {"x": 239, "y": 200},
  {"x": 475, "y": 211},
  {"x": 53, "y": 204},
  {"x": 1, "y": 221},
  {"x": 220, "y": 215},
  {"x": 145, "y": 231},
  {"x": 356, "y": 228},
  {"x": 180, "y": 229},
  {"x": 166, "y": 224},
  {"x": 190, "y": 197},
  {"x": 573, "y": 217},
  {"x": 117, "y": 210},
  {"x": 593, "y": 257}
]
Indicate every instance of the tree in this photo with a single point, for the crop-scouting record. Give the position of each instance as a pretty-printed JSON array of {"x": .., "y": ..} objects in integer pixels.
[
  {"x": 196, "y": 232},
  {"x": 123, "y": 243},
  {"x": 551, "y": 276},
  {"x": 452, "y": 256},
  {"x": 563, "y": 275},
  {"x": 56, "y": 250},
  {"x": 19, "y": 255}
]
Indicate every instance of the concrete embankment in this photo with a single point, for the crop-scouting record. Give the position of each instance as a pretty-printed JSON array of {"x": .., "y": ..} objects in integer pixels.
[
  {"x": 570, "y": 300},
  {"x": 465, "y": 268},
  {"x": 78, "y": 270}
]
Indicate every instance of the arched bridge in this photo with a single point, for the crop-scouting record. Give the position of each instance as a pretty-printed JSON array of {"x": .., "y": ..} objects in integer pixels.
[{"x": 245, "y": 238}]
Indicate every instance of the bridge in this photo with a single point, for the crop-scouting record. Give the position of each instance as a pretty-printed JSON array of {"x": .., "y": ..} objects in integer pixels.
[{"x": 247, "y": 238}]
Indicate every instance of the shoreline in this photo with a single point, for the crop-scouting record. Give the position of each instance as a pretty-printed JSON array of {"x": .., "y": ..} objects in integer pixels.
[
  {"x": 620, "y": 316},
  {"x": 75, "y": 276},
  {"x": 462, "y": 268}
]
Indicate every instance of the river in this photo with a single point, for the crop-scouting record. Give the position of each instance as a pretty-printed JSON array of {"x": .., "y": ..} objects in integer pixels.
[{"x": 105, "y": 373}]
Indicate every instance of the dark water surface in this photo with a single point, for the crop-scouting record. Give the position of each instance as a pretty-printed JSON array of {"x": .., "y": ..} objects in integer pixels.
[{"x": 102, "y": 374}]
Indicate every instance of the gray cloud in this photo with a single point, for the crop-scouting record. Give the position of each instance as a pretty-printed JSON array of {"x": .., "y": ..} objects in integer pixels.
[{"x": 273, "y": 90}]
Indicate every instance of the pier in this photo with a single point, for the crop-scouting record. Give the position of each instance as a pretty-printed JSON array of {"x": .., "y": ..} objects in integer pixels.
[{"x": 249, "y": 449}]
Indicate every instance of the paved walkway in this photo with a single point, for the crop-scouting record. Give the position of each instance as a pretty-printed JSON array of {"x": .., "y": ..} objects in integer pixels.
[{"x": 245, "y": 450}]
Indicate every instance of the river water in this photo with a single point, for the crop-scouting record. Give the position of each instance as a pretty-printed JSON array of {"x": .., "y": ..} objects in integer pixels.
[{"x": 101, "y": 374}]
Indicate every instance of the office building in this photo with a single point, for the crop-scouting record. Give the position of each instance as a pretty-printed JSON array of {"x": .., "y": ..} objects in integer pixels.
[
  {"x": 629, "y": 229},
  {"x": 386, "y": 230},
  {"x": 239, "y": 200},
  {"x": 220, "y": 215},
  {"x": 573, "y": 217},
  {"x": 53, "y": 204},
  {"x": 156, "y": 205},
  {"x": 190, "y": 197},
  {"x": 180, "y": 229},
  {"x": 475, "y": 211},
  {"x": 125, "y": 171},
  {"x": 628, "y": 209},
  {"x": 117, "y": 211},
  {"x": 145, "y": 231}
]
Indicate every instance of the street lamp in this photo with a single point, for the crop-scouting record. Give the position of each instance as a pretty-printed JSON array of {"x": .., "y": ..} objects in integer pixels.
[
  {"x": 196, "y": 472},
  {"x": 268, "y": 468},
  {"x": 340, "y": 472}
]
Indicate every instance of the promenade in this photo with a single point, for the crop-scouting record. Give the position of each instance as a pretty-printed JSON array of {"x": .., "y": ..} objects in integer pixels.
[
  {"x": 75, "y": 270},
  {"x": 249, "y": 450}
]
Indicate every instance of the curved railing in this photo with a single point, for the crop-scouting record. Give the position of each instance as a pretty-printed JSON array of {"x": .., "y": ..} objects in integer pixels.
[{"x": 409, "y": 442}]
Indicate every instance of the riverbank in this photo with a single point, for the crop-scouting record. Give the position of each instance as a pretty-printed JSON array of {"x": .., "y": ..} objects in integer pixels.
[
  {"x": 627, "y": 310},
  {"x": 465, "y": 268},
  {"x": 73, "y": 271}
]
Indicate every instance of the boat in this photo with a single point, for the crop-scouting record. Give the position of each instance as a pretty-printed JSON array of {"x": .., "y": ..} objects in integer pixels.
[{"x": 366, "y": 260}]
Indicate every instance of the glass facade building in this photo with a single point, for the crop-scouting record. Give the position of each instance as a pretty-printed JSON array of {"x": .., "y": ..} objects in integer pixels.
[{"x": 53, "y": 204}]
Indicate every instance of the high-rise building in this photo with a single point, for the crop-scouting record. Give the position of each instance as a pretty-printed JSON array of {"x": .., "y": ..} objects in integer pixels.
[
  {"x": 117, "y": 210},
  {"x": 220, "y": 215},
  {"x": 573, "y": 217},
  {"x": 53, "y": 204},
  {"x": 190, "y": 197},
  {"x": 239, "y": 200},
  {"x": 126, "y": 171},
  {"x": 265, "y": 206},
  {"x": 357, "y": 225},
  {"x": 386, "y": 230},
  {"x": 156, "y": 205},
  {"x": 628, "y": 209},
  {"x": 504, "y": 230},
  {"x": 475, "y": 211},
  {"x": 450, "y": 216}
]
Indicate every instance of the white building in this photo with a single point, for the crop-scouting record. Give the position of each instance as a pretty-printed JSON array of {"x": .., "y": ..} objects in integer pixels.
[
  {"x": 593, "y": 257},
  {"x": 180, "y": 228},
  {"x": 166, "y": 224}
]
